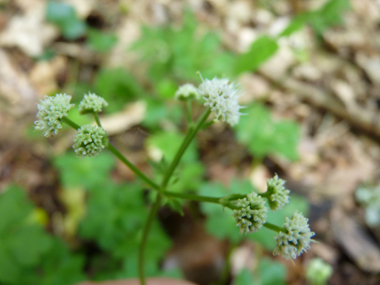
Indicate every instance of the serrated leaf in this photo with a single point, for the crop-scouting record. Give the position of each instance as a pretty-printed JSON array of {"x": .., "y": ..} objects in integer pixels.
[
  {"x": 118, "y": 87},
  {"x": 90, "y": 172},
  {"x": 263, "y": 136}
]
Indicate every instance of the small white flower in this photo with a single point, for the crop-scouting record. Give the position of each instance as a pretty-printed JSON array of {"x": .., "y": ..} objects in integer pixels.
[
  {"x": 89, "y": 140},
  {"x": 276, "y": 193},
  {"x": 92, "y": 103},
  {"x": 296, "y": 239},
  {"x": 187, "y": 91},
  {"x": 50, "y": 112},
  {"x": 222, "y": 97},
  {"x": 252, "y": 213}
]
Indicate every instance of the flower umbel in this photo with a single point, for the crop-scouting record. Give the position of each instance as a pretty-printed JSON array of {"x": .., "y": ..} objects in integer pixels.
[
  {"x": 187, "y": 91},
  {"x": 92, "y": 103},
  {"x": 90, "y": 140},
  {"x": 50, "y": 112},
  {"x": 276, "y": 193},
  {"x": 251, "y": 214},
  {"x": 296, "y": 239},
  {"x": 222, "y": 97}
]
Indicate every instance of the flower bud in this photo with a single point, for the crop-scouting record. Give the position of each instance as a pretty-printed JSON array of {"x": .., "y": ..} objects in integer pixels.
[
  {"x": 50, "y": 112},
  {"x": 222, "y": 97},
  {"x": 89, "y": 140},
  {"x": 296, "y": 239},
  {"x": 251, "y": 214},
  {"x": 92, "y": 103},
  {"x": 276, "y": 193},
  {"x": 186, "y": 92}
]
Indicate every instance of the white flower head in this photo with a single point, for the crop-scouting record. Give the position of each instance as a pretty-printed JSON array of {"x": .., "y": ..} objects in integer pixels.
[
  {"x": 252, "y": 213},
  {"x": 187, "y": 91},
  {"x": 222, "y": 97},
  {"x": 89, "y": 140},
  {"x": 92, "y": 103},
  {"x": 277, "y": 195},
  {"x": 50, "y": 112},
  {"x": 296, "y": 239}
]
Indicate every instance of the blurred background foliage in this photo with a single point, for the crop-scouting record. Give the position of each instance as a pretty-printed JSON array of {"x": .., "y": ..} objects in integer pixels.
[{"x": 101, "y": 212}]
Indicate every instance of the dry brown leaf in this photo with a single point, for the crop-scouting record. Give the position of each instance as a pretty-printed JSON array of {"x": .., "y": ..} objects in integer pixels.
[
  {"x": 15, "y": 89},
  {"x": 29, "y": 31}
]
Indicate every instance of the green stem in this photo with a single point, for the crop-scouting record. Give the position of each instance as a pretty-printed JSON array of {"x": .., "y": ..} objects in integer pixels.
[
  {"x": 152, "y": 214},
  {"x": 192, "y": 197},
  {"x": 274, "y": 227},
  {"x": 70, "y": 123},
  {"x": 184, "y": 146},
  {"x": 96, "y": 117},
  {"x": 143, "y": 177},
  {"x": 191, "y": 134},
  {"x": 188, "y": 113}
]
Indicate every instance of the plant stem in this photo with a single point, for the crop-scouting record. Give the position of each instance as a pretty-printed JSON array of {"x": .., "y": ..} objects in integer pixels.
[
  {"x": 70, "y": 123},
  {"x": 96, "y": 117},
  {"x": 152, "y": 214},
  {"x": 189, "y": 137},
  {"x": 192, "y": 197},
  {"x": 191, "y": 134},
  {"x": 143, "y": 177},
  {"x": 274, "y": 227},
  {"x": 188, "y": 112}
]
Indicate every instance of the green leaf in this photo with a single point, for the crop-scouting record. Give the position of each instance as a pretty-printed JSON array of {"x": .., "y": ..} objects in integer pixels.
[
  {"x": 73, "y": 29},
  {"x": 14, "y": 208},
  {"x": 64, "y": 16},
  {"x": 76, "y": 172},
  {"x": 29, "y": 255},
  {"x": 260, "y": 51},
  {"x": 244, "y": 278},
  {"x": 101, "y": 41},
  {"x": 59, "y": 12},
  {"x": 296, "y": 24},
  {"x": 178, "y": 53},
  {"x": 118, "y": 87},
  {"x": 263, "y": 136},
  {"x": 329, "y": 15},
  {"x": 169, "y": 143},
  {"x": 271, "y": 272},
  {"x": 28, "y": 244},
  {"x": 9, "y": 270},
  {"x": 116, "y": 215}
]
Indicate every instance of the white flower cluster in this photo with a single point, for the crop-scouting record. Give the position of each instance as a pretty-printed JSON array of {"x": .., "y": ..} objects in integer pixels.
[
  {"x": 89, "y": 140},
  {"x": 251, "y": 214},
  {"x": 50, "y": 112},
  {"x": 187, "y": 91},
  {"x": 92, "y": 103},
  {"x": 222, "y": 97},
  {"x": 296, "y": 239},
  {"x": 276, "y": 193}
]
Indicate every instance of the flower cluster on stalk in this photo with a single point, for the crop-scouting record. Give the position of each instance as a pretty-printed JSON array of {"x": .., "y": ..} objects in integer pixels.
[
  {"x": 50, "y": 112},
  {"x": 296, "y": 239},
  {"x": 89, "y": 140},
  {"x": 92, "y": 103},
  {"x": 221, "y": 97},
  {"x": 250, "y": 214}
]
